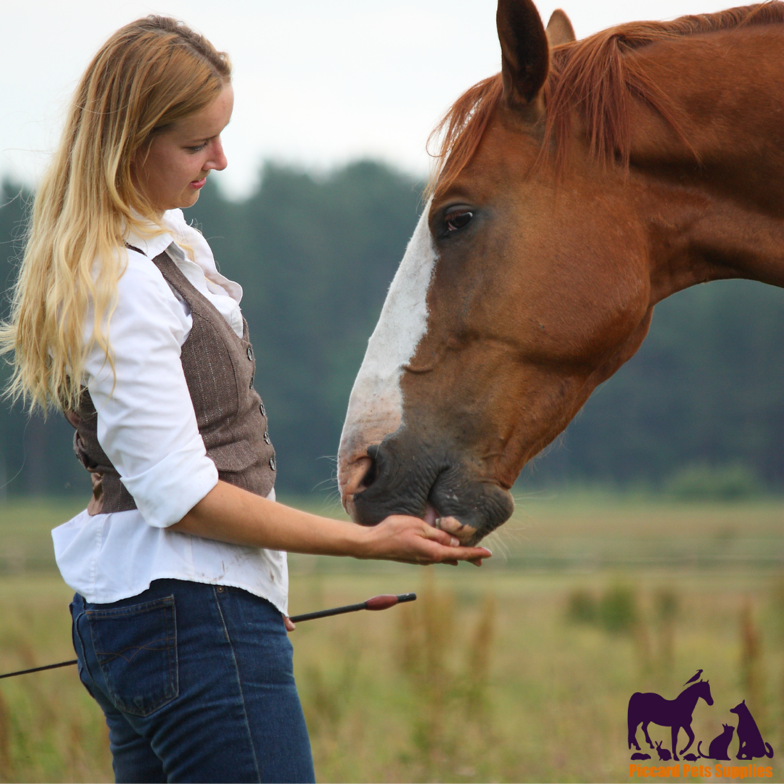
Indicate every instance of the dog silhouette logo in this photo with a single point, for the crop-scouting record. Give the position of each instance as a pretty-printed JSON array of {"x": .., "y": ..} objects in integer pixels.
[{"x": 751, "y": 744}]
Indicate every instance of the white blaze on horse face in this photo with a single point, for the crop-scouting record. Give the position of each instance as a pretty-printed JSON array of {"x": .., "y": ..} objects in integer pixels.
[{"x": 375, "y": 407}]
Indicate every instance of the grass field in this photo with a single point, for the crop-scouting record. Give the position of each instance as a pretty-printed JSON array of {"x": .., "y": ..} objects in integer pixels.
[{"x": 519, "y": 671}]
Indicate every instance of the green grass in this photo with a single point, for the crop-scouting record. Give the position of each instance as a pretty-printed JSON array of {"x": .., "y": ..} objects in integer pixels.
[
  {"x": 50, "y": 729},
  {"x": 487, "y": 677},
  {"x": 25, "y": 532}
]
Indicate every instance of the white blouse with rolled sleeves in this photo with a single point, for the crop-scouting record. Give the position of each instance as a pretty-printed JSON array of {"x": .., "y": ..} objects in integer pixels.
[{"x": 147, "y": 427}]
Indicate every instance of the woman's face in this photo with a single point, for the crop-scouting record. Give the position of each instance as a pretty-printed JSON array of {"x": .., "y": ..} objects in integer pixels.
[{"x": 173, "y": 169}]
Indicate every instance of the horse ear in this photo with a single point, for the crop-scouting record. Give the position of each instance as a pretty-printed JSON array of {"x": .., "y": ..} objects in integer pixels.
[
  {"x": 525, "y": 58},
  {"x": 559, "y": 29}
]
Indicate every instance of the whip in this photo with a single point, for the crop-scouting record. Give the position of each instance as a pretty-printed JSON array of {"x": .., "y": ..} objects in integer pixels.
[{"x": 383, "y": 602}]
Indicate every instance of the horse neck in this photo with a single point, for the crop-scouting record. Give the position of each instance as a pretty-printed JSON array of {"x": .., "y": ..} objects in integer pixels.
[
  {"x": 691, "y": 695},
  {"x": 724, "y": 216}
]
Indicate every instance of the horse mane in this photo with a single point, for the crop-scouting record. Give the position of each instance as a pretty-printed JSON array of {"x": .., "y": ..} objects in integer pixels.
[{"x": 594, "y": 76}]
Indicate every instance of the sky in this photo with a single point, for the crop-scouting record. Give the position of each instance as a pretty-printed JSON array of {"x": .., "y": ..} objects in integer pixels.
[{"x": 318, "y": 83}]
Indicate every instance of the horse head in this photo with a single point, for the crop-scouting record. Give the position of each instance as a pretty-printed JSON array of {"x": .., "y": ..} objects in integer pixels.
[
  {"x": 498, "y": 324},
  {"x": 705, "y": 692},
  {"x": 528, "y": 280},
  {"x": 698, "y": 690}
]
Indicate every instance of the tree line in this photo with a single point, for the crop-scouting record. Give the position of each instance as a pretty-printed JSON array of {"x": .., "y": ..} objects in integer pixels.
[{"x": 315, "y": 256}]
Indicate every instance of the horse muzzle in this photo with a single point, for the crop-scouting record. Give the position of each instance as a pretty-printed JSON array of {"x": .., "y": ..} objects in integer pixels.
[{"x": 403, "y": 476}]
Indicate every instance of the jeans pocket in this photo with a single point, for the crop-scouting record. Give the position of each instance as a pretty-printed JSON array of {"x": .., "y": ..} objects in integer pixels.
[{"x": 136, "y": 648}]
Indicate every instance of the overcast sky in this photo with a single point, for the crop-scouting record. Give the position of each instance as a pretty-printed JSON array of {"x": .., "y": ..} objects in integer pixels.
[{"x": 317, "y": 82}]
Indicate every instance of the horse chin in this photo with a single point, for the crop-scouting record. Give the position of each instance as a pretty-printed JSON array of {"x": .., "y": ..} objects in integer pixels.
[{"x": 469, "y": 510}]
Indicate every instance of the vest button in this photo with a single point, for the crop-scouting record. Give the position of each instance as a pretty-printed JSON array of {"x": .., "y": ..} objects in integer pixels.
[
  {"x": 262, "y": 409},
  {"x": 267, "y": 438},
  {"x": 250, "y": 353},
  {"x": 272, "y": 463},
  {"x": 251, "y": 381}
]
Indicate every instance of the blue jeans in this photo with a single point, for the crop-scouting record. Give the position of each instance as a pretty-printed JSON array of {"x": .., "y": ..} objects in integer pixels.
[{"x": 196, "y": 682}]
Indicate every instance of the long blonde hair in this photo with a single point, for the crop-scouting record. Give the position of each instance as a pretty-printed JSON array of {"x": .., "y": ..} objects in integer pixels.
[{"x": 149, "y": 74}]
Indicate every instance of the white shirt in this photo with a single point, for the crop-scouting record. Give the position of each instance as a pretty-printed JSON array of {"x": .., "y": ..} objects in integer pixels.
[{"x": 147, "y": 427}]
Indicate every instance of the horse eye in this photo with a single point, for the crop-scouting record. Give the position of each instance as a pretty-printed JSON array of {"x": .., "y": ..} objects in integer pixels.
[{"x": 458, "y": 221}]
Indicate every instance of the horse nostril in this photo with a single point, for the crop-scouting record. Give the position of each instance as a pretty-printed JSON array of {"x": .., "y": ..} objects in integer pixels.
[
  {"x": 372, "y": 472},
  {"x": 370, "y": 476}
]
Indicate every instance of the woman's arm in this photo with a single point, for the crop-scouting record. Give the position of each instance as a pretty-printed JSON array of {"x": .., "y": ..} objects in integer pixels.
[{"x": 230, "y": 514}]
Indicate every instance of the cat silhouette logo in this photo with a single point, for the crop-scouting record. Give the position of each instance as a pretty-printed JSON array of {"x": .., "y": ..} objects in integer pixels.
[
  {"x": 649, "y": 708},
  {"x": 720, "y": 745}
]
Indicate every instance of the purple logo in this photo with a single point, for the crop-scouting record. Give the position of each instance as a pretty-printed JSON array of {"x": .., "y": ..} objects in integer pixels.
[{"x": 676, "y": 715}]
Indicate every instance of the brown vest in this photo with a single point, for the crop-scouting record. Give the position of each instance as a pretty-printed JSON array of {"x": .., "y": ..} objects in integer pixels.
[{"x": 219, "y": 369}]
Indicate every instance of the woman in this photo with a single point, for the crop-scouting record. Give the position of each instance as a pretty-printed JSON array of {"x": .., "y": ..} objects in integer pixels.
[{"x": 121, "y": 319}]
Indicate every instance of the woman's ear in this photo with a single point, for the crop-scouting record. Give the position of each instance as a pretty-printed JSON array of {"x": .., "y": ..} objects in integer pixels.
[{"x": 525, "y": 57}]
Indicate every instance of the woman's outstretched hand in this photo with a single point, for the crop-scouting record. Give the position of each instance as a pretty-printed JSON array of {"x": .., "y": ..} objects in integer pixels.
[
  {"x": 412, "y": 540},
  {"x": 231, "y": 514}
]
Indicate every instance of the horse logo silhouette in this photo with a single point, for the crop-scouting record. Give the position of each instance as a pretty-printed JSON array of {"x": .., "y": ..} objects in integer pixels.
[{"x": 647, "y": 708}]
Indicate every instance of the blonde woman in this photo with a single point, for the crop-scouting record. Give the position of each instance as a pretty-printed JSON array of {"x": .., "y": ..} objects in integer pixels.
[{"x": 121, "y": 319}]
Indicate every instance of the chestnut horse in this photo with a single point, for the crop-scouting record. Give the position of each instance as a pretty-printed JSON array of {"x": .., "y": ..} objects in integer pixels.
[{"x": 579, "y": 187}]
